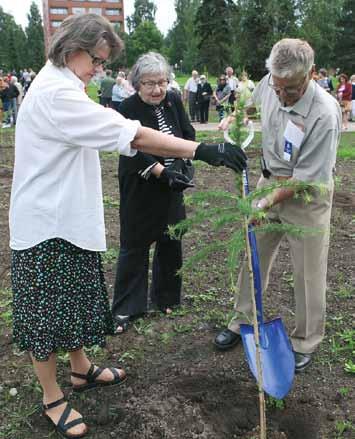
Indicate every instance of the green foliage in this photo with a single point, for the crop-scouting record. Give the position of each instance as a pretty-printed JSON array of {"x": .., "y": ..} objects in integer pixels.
[
  {"x": 13, "y": 43},
  {"x": 35, "y": 39},
  {"x": 212, "y": 25},
  {"x": 319, "y": 26},
  {"x": 5, "y": 308},
  {"x": 110, "y": 256},
  {"x": 260, "y": 24},
  {"x": 275, "y": 403},
  {"x": 345, "y": 41},
  {"x": 146, "y": 37},
  {"x": 181, "y": 39},
  {"x": 109, "y": 202},
  {"x": 343, "y": 426},
  {"x": 144, "y": 10}
]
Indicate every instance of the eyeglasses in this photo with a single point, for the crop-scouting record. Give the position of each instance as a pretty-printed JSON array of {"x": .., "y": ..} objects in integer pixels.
[
  {"x": 150, "y": 85},
  {"x": 290, "y": 91},
  {"x": 97, "y": 61}
]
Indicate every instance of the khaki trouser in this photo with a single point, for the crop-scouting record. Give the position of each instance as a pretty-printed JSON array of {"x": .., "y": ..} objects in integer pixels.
[{"x": 309, "y": 254}]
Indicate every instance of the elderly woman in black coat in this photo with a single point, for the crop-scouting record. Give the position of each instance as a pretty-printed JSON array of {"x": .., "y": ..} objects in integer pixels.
[{"x": 151, "y": 199}]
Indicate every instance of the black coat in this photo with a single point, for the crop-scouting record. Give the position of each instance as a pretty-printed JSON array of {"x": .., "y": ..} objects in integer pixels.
[
  {"x": 148, "y": 206},
  {"x": 205, "y": 88}
]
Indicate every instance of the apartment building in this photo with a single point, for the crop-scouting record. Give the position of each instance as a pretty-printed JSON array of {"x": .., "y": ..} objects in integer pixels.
[{"x": 55, "y": 11}]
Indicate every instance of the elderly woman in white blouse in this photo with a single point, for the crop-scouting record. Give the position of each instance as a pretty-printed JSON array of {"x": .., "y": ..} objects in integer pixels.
[{"x": 56, "y": 213}]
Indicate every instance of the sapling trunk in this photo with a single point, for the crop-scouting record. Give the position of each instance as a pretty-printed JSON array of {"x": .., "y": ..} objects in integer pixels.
[{"x": 262, "y": 411}]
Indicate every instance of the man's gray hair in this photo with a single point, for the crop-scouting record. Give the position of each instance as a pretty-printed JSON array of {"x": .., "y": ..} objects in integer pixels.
[
  {"x": 151, "y": 63},
  {"x": 83, "y": 32},
  {"x": 290, "y": 57}
]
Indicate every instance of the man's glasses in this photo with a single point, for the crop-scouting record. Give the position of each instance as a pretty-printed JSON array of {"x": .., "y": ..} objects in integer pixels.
[
  {"x": 290, "y": 91},
  {"x": 150, "y": 85},
  {"x": 97, "y": 61}
]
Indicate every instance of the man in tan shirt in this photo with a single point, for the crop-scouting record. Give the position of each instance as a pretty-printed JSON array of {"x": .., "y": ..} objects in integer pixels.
[{"x": 301, "y": 125}]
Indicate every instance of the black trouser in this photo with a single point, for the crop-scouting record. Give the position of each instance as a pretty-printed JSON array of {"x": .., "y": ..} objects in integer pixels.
[
  {"x": 204, "y": 106},
  {"x": 193, "y": 106},
  {"x": 131, "y": 284},
  {"x": 106, "y": 102}
]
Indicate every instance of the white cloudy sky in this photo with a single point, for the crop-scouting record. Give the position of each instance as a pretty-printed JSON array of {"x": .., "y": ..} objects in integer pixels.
[{"x": 164, "y": 18}]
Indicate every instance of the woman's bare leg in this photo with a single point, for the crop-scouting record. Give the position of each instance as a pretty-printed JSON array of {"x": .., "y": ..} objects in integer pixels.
[{"x": 46, "y": 372}]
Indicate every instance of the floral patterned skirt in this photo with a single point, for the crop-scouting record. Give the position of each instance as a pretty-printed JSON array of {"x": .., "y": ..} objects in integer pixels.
[{"x": 59, "y": 298}]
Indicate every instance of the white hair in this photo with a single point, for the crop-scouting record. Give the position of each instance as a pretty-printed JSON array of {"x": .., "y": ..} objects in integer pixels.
[
  {"x": 151, "y": 63},
  {"x": 290, "y": 57}
]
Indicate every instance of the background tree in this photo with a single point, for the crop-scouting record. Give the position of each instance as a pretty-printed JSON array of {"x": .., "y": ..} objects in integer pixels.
[
  {"x": 13, "y": 43},
  {"x": 261, "y": 24},
  {"x": 213, "y": 32},
  {"x": 145, "y": 38},
  {"x": 344, "y": 51},
  {"x": 35, "y": 39},
  {"x": 182, "y": 50},
  {"x": 319, "y": 21},
  {"x": 143, "y": 10}
]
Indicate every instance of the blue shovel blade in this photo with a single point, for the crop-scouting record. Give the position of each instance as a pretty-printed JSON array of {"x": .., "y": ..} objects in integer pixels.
[{"x": 277, "y": 358}]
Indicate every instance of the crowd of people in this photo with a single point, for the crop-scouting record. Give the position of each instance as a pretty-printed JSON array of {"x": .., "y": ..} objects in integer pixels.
[
  {"x": 344, "y": 92},
  {"x": 197, "y": 93},
  {"x": 13, "y": 87},
  {"x": 57, "y": 228}
]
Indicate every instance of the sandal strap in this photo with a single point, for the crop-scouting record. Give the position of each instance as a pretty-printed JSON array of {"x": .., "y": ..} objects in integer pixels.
[
  {"x": 84, "y": 376},
  {"x": 116, "y": 375},
  {"x": 65, "y": 415},
  {"x": 94, "y": 375},
  {"x": 73, "y": 423},
  {"x": 53, "y": 404}
]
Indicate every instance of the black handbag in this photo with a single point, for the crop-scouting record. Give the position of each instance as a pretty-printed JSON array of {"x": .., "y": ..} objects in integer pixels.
[{"x": 184, "y": 166}]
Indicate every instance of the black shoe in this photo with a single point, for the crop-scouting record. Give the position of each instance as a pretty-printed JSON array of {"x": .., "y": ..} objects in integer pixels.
[
  {"x": 302, "y": 361},
  {"x": 226, "y": 339}
]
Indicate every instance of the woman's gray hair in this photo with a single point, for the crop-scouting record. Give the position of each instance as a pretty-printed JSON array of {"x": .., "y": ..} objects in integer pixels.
[
  {"x": 151, "y": 63},
  {"x": 290, "y": 57},
  {"x": 83, "y": 32}
]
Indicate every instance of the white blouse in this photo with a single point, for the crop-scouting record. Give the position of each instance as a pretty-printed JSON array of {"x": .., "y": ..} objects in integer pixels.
[{"x": 56, "y": 189}]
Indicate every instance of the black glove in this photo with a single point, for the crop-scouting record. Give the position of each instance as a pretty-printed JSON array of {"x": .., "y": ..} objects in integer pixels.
[
  {"x": 222, "y": 154},
  {"x": 175, "y": 180}
]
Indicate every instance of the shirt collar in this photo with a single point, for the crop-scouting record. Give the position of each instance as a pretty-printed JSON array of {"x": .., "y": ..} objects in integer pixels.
[
  {"x": 303, "y": 106},
  {"x": 69, "y": 74}
]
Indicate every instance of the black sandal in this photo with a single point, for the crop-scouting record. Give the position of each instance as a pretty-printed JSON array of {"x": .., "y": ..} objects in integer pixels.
[
  {"x": 92, "y": 382},
  {"x": 62, "y": 427}
]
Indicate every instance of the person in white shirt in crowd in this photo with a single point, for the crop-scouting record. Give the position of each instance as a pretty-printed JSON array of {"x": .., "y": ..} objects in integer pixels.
[
  {"x": 190, "y": 95},
  {"x": 119, "y": 93},
  {"x": 19, "y": 87},
  {"x": 232, "y": 81},
  {"x": 173, "y": 84},
  {"x": 57, "y": 226}
]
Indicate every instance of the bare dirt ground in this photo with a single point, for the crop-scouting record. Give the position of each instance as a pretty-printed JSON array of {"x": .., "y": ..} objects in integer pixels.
[{"x": 179, "y": 386}]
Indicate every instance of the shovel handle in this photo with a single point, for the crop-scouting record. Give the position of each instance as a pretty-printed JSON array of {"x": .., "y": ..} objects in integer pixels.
[{"x": 254, "y": 258}]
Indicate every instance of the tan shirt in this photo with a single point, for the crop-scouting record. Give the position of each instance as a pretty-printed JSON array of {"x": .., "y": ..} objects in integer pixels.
[{"x": 318, "y": 117}]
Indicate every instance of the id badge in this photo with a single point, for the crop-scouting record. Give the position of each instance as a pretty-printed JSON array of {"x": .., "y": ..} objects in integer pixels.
[
  {"x": 293, "y": 138},
  {"x": 287, "y": 150}
]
